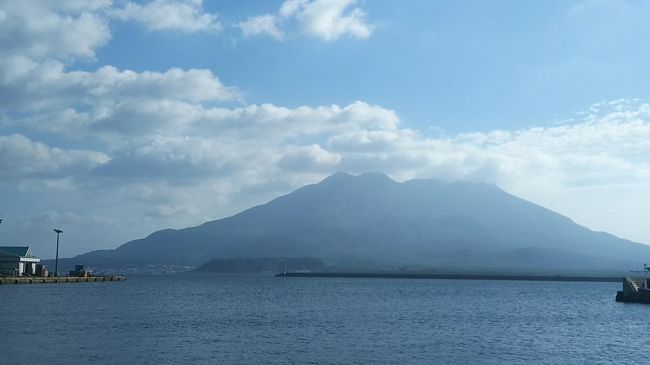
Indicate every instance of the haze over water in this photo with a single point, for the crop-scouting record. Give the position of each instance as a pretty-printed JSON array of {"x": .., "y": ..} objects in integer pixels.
[{"x": 260, "y": 319}]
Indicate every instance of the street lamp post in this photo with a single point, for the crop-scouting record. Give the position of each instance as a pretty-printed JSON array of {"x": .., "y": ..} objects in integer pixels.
[{"x": 56, "y": 264}]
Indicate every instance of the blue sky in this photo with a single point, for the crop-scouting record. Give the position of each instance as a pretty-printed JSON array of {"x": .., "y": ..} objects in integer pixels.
[
  {"x": 118, "y": 118},
  {"x": 457, "y": 65}
]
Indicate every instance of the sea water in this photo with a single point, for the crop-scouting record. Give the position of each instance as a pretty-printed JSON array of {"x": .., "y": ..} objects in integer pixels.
[{"x": 215, "y": 319}]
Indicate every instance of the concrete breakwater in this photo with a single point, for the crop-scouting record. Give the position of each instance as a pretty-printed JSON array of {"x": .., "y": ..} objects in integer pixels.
[
  {"x": 635, "y": 290},
  {"x": 58, "y": 279},
  {"x": 602, "y": 279}
]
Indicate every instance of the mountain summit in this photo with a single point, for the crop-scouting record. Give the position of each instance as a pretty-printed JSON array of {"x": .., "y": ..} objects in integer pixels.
[{"x": 371, "y": 221}]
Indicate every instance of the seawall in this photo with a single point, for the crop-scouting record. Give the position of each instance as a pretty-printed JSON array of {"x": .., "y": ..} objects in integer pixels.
[{"x": 601, "y": 279}]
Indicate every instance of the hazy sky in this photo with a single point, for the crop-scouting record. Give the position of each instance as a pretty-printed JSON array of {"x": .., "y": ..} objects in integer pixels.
[{"x": 120, "y": 118}]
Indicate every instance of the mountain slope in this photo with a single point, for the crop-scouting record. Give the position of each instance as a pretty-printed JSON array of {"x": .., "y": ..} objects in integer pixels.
[{"x": 373, "y": 221}]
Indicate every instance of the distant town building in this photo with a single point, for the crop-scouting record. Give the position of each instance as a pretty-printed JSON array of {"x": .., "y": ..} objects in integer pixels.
[
  {"x": 17, "y": 261},
  {"x": 80, "y": 271}
]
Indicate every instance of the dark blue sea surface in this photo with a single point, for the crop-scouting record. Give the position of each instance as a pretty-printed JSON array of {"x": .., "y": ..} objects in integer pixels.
[{"x": 266, "y": 320}]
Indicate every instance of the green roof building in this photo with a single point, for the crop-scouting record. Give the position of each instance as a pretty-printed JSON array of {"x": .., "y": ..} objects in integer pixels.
[{"x": 17, "y": 261}]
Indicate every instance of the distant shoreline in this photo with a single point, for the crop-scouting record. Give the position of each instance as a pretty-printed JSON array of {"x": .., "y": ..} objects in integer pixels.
[
  {"x": 599, "y": 279},
  {"x": 59, "y": 279}
]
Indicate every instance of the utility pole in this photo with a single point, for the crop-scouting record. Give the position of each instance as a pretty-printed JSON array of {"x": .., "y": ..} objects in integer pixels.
[{"x": 56, "y": 264}]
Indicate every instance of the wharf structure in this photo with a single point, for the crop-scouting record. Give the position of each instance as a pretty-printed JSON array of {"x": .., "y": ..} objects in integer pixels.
[
  {"x": 635, "y": 290},
  {"x": 19, "y": 261},
  {"x": 19, "y": 266}
]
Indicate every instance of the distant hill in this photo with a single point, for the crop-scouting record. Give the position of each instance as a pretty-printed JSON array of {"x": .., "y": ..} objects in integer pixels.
[{"x": 372, "y": 222}]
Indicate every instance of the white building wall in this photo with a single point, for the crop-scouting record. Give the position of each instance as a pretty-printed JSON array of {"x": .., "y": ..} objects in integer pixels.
[{"x": 22, "y": 265}]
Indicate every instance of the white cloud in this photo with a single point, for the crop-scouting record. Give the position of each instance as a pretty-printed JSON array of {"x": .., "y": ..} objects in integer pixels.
[
  {"x": 174, "y": 158},
  {"x": 63, "y": 30},
  {"x": 290, "y": 8},
  {"x": 309, "y": 158},
  {"x": 328, "y": 20},
  {"x": 275, "y": 123},
  {"x": 181, "y": 15},
  {"x": 78, "y": 5},
  {"x": 111, "y": 98},
  {"x": 364, "y": 140},
  {"x": 260, "y": 25},
  {"x": 189, "y": 85},
  {"x": 38, "y": 39},
  {"x": 22, "y": 158}
]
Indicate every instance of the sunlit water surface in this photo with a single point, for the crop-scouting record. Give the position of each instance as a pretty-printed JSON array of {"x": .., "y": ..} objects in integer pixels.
[{"x": 262, "y": 320}]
